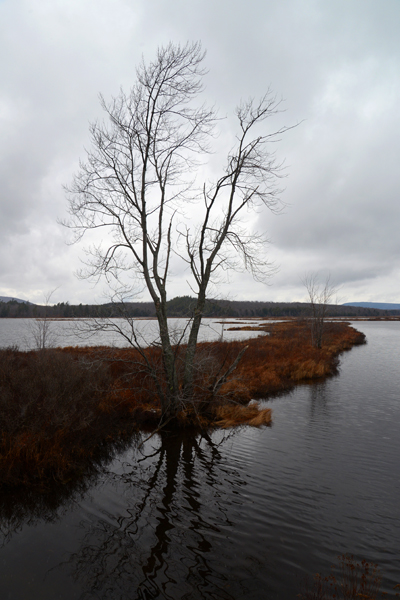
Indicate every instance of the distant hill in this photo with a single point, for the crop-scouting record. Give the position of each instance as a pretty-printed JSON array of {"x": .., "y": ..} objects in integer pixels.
[
  {"x": 378, "y": 305},
  {"x": 11, "y": 298}
]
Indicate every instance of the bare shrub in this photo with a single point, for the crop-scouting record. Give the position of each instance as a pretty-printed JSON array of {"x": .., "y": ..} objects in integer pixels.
[{"x": 48, "y": 404}]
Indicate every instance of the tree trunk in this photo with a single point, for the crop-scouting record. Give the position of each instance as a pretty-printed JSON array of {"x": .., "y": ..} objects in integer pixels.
[
  {"x": 188, "y": 375},
  {"x": 170, "y": 403}
]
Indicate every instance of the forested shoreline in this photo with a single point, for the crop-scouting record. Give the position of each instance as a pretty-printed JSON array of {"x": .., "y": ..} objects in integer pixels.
[{"x": 181, "y": 306}]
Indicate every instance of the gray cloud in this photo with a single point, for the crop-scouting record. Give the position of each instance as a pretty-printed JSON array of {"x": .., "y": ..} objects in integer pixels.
[{"x": 336, "y": 64}]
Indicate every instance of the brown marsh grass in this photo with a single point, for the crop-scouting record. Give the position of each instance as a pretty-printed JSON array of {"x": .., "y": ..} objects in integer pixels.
[
  {"x": 60, "y": 409},
  {"x": 50, "y": 416},
  {"x": 277, "y": 362}
]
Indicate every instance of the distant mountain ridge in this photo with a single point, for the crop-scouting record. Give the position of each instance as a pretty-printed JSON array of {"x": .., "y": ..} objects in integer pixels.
[
  {"x": 10, "y": 298},
  {"x": 378, "y": 305}
]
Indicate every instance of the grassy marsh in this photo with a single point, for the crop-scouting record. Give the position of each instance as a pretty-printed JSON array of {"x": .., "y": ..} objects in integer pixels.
[{"x": 62, "y": 410}]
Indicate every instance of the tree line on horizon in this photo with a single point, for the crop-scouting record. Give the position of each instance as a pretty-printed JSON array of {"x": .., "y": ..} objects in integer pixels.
[{"x": 182, "y": 306}]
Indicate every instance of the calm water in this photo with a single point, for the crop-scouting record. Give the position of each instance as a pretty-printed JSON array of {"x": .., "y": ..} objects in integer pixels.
[
  {"x": 24, "y": 332},
  {"x": 234, "y": 516}
]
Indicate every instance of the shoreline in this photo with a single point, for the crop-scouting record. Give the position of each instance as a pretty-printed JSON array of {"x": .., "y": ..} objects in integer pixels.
[{"x": 62, "y": 410}]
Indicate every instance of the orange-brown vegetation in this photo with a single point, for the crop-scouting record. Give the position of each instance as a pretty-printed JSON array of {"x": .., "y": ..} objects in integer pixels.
[
  {"x": 50, "y": 416},
  {"x": 275, "y": 363},
  {"x": 61, "y": 408},
  {"x": 349, "y": 580},
  {"x": 231, "y": 415}
]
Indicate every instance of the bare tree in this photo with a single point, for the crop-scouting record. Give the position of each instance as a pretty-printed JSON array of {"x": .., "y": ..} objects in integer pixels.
[
  {"x": 42, "y": 328},
  {"x": 139, "y": 182},
  {"x": 320, "y": 296}
]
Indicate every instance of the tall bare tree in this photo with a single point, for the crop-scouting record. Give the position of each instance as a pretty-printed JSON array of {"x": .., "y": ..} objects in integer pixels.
[{"x": 139, "y": 181}]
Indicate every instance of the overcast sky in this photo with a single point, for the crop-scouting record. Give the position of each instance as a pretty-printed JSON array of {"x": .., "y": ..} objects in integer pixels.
[{"x": 337, "y": 66}]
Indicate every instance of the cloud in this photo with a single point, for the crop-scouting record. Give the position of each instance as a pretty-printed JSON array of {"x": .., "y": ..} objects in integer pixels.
[{"x": 335, "y": 64}]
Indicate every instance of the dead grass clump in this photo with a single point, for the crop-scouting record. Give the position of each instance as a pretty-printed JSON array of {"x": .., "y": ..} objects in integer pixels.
[
  {"x": 233, "y": 415},
  {"x": 312, "y": 369}
]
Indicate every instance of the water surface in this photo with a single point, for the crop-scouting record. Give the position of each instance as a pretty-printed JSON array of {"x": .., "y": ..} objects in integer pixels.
[
  {"x": 234, "y": 515},
  {"x": 23, "y": 333}
]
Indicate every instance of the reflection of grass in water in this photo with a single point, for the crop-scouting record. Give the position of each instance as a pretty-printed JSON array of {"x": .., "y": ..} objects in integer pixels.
[
  {"x": 46, "y": 502},
  {"x": 60, "y": 410},
  {"x": 29, "y": 505},
  {"x": 351, "y": 580}
]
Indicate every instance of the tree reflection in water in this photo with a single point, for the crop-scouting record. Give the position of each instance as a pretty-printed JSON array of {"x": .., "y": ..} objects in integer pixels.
[{"x": 174, "y": 516}]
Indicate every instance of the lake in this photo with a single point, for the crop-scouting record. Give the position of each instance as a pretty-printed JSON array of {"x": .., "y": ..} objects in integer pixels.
[
  {"x": 233, "y": 515},
  {"x": 79, "y": 332}
]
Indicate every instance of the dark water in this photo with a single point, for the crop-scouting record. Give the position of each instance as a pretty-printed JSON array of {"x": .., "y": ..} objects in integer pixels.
[{"x": 240, "y": 515}]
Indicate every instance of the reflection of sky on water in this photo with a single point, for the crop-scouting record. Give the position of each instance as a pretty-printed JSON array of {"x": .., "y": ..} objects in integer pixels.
[{"x": 20, "y": 332}]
